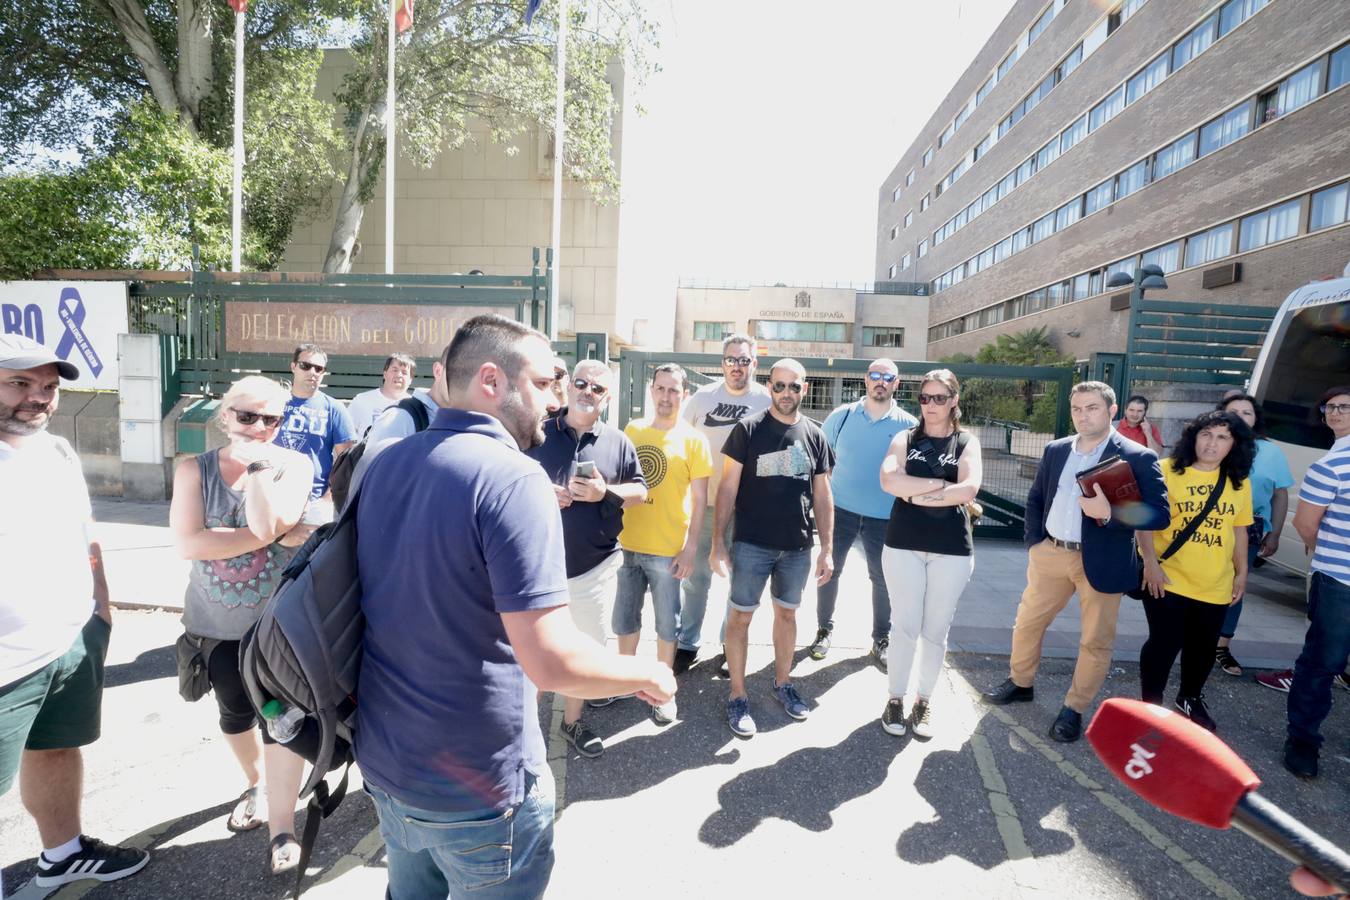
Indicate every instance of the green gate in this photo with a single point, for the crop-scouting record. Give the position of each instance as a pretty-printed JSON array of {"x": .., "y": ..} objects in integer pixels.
[
  {"x": 1013, "y": 410},
  {"x": 1199, "y": 343},
  {"x": 227, "y": 325}
]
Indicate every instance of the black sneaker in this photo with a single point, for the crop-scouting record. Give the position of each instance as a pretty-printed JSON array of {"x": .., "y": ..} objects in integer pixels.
[
  {"x": 601, "y": 702},
  {"x": 1223, "y": 658},
  {"x": 820, "y": 647},
  {"x": 684, "y": 660},
  {"x": 582, "y": 739},
  {"x": 878, "y": 654},
  {"x": 1194, "y": 709},
  {"x": 95, "y": 860},
  {"x": 1300, "y": 758},
  {"x": 893, "y": 717}
]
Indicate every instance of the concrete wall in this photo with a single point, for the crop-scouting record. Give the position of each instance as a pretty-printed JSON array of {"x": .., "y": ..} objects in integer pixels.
[{"x": 89, "y": 420}]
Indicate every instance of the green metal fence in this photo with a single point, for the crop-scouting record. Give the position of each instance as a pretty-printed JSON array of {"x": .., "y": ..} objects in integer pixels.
[
  {"x": 1179, "y": 341},
  {"x": 1013, "y": 410}
]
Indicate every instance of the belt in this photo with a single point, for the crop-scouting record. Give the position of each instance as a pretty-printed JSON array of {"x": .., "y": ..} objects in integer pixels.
[{"x": 1067, "y": 545}]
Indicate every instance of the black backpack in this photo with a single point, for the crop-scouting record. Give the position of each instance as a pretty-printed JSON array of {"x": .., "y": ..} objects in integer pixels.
[
  {"x": 305, "y": 652},
  {"x": 344, "y": 467}
]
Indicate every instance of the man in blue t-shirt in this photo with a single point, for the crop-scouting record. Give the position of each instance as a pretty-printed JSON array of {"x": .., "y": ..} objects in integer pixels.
[
  {"x": 860, "y": 433},
  {"x": 314, "y": 423},
  {"x": 463, "y": 623}
]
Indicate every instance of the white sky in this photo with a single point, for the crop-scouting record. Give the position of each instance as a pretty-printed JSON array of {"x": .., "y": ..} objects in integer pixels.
[{"x": 771, "y": 128}]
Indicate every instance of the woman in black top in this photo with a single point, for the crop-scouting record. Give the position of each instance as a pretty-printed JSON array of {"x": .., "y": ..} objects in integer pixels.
[{"x": 934, "y": 470}]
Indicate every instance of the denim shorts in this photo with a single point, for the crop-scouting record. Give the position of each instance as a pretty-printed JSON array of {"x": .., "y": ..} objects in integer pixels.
[
  {"x": 785, "y": 571},
  {"x": 641, "y": 571}
]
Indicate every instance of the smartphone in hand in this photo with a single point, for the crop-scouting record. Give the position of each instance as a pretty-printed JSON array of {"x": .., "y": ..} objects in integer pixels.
[{"x": 585, "y": 469}]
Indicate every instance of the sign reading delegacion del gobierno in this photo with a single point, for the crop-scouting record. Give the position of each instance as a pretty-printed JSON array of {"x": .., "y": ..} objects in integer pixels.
[{"x": 352, "y": 329}]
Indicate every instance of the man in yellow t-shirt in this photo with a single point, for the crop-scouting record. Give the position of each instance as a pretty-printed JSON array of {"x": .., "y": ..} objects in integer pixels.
[{"x": 660, "y": 536}]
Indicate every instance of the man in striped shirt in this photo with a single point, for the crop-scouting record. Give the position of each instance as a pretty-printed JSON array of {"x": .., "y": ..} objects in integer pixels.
[{"x": 1323, "y": 521}]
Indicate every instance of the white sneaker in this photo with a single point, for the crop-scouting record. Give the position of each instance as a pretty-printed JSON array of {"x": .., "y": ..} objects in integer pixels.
[{"x": 665, "y": 713}]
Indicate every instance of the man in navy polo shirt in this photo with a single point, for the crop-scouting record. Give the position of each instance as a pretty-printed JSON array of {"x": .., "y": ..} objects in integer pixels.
[
  {"x": 464, "y": 622},
  {"x": 861, "y": 433},
  {"x": 592, "y": 512}
]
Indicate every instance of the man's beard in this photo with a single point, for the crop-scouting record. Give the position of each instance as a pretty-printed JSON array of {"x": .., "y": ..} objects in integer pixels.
[
  {"x": 794, "y": 399},
  {"x": 520, "y": 423},
  {"x": 10, "y": 423},
  {"x": 738, "y": 381}
]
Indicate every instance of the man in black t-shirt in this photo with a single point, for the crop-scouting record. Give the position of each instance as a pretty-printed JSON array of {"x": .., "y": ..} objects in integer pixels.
[{"x": 776, "y": 470}]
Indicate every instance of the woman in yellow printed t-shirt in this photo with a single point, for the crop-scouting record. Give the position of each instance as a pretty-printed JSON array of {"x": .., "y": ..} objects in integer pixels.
[{"x": 1188, "y": 593}]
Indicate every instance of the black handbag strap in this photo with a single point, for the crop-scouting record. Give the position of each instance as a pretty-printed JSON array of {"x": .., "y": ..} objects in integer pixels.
[
  {"x": 1185, "y": 533},
  {"x": 929, "y": 451}
]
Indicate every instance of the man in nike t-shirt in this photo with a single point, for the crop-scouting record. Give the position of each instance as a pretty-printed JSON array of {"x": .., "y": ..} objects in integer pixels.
[{"x": 714, "y": 410}]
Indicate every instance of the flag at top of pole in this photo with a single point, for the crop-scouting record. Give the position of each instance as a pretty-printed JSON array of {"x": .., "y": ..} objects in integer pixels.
[
  {"x": 239, "y": 6},
  {"x": 403, "y": 15}
]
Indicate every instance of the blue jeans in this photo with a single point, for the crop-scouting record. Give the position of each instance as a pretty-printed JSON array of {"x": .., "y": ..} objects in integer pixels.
[
  {"x": 491, "y": 853},
  {"x": 640, "y": 571},
  {"x": 1325, "y": 650},
  {"x": 694, "y": 590},
  {"x": 786, "y": 572},
  {"x": 848, "y": 527},
  {"x": 1230, "y": 621}
]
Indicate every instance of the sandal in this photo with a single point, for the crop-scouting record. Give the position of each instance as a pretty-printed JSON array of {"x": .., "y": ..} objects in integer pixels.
[
  {"x": 1225, "y": 661},
  {"x": 246, "y": 815},
  {"x": 283, "y": 853}
]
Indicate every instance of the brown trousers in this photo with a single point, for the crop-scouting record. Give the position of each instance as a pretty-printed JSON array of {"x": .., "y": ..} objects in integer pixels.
[{"x": 1053, "y": 575}]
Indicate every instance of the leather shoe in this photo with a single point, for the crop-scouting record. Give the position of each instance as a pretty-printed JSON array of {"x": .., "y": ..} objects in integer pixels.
[
  {"x": 1300, "y": 758},
  {"x": 1008, "y": 692},
  {"x": 684, "y": 660},
  {"x": 1067, "y": 727}
]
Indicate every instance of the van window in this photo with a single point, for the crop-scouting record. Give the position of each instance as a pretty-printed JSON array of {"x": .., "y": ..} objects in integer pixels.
[{"x": 1313, "y": 356}]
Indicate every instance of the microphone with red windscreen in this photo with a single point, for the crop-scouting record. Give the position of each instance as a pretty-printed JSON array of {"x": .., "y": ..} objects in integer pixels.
[{"x": 1180, "y": 767}]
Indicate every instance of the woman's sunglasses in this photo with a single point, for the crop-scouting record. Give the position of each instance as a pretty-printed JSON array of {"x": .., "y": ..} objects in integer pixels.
[
  {"x": 249, "y": 418},
  {"x": 936, "y": 399}
]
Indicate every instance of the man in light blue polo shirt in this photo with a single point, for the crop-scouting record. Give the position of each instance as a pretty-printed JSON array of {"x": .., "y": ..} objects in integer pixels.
[{"x": 860, "y": 433}]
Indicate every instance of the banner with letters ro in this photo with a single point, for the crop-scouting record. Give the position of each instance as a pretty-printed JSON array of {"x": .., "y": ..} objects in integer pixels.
[{"x": 79, "y": 321}]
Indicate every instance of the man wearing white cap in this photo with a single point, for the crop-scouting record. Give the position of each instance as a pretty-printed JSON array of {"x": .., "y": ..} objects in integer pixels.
[{"x": 55, "y": 621}]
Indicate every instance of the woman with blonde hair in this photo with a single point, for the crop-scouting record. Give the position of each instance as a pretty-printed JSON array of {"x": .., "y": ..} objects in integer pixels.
[
  {"x": 234, "y": 514},
  {"x": 934, "y": 471}
]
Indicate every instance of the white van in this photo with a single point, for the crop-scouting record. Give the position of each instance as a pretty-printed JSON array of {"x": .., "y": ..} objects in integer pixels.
[{"x": 1307, "y": 350}]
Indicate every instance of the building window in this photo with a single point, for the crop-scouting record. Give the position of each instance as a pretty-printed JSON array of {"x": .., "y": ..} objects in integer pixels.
[
  {"x": 1127, "y": 265},
  {"x": 1340, "y": 68},
  {"x": 1195, "y": 43},
  {"x": 983, "y": 146},
  {"x": 883, "y": 337},
  {"x": 946, "y": 135},
  {"x": 713, "y": 331},
  {"x": 1003, "y": 249},
  {"x": 923, "y": 204},
  {"x": 1132, "y": 179},
  {"x": 1268, "y": 226},
  {"x": 928, "y": 156},
  {"x": 1007, "y": 63},
  {"x": 1179, "y": 153},
  {"x": 1166, "y": 257},
  {"x": 1026, "y": 169},
  {"x": 820, "y": 332},
  {"x": 1047, "y": 154},
  {"x": 1043, "y": 228},
  {"x": 1070, "y": 62},
  {"x": 909, "y": 218},
  {"x": 923, "y": 248},
  {"x": 1225, "y": 129},
  {"x": 984, "y": 90},
  {"x": 1073, "y": 134},
  {"x": 909, "y": 179},
  {"x": 1040, "y": 24},
  {"x": 895, "y": 194},
  {"x": 895, "y": 231},
  {"x": 1209, "y": 245},
  {"x": 891, "y": 271},
  {"x": 1004, "y": 126},
  {"x": 1235, "y": 12},
  {"x": 1297, "y": 90},
  {"x": 1328, "y": 207},
  {"x": 1082, "y": 287},
  {"x": 1069, "y": 213},
  {"x": 904, "y": 262},
  {"x": 1099, "y": 197},
  {"x": 1106, "y": 110},
  {"x": 1021, "y": 239},
  {"x": 1148, "y": 78}
]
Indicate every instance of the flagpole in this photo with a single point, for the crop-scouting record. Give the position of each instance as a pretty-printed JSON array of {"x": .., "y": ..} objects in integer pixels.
[
  {"x": 390, "y": 121},
  {"x": 558, "y": 128},
  {"x": 237, "y": 189}
]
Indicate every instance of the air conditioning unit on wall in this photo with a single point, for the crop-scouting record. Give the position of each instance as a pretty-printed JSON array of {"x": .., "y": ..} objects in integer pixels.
[{"x": 1228, "y": 273}]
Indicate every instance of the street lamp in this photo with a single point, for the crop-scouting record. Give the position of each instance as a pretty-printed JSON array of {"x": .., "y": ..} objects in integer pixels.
[{"x": 1146, "y": 278}]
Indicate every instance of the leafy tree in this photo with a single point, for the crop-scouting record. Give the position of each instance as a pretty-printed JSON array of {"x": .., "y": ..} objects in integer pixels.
[{"x": 1022, "y": 400}]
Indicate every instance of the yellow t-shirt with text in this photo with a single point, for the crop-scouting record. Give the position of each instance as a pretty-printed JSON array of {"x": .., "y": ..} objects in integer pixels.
[
  {"x": 1202, "y": 568},
  {"x": 670, "y": 460}
]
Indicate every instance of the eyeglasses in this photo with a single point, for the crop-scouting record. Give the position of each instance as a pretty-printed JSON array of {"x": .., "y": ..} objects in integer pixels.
[
  {"x": 780, "y": 386},
  {"x": 310, "y": 367},
  {"x": 582, "y": 384},
  {"x": 559, "y": 374},
  {"x": 742, "y": 361},
  {"x": 1339, "y": 408},
  {"x": 887, "y": 377},
  {"x": 936, "y": 399},
  {"x": 249, "y": 418}
]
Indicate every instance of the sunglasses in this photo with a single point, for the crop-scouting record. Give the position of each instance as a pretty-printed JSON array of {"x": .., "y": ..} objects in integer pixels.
[
  {"x": 310, "y": 367},
  {"x": 582, "y": 384},
  {"x": 249, "y": 418},
  {"x": 779, "y": 387},
  {"x": 882, "y": 376},
  {"x": 1338, "y": 408},
  {"x": 936, "y": 399},
  {"x": 742, "y": 361}
]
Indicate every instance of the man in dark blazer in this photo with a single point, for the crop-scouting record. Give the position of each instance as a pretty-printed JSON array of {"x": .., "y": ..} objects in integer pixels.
[{"x": 1081, "y": 544}]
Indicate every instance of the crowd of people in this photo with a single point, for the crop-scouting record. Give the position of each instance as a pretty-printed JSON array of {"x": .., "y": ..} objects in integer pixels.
[{"x": 543, "y": 528}]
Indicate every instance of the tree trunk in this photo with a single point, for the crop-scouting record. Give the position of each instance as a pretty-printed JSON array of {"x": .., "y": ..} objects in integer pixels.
[
  {"x": 129, "y": 17},
  {"x": 196, "y": 71},
  {"x": 351, "y": 209}
]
